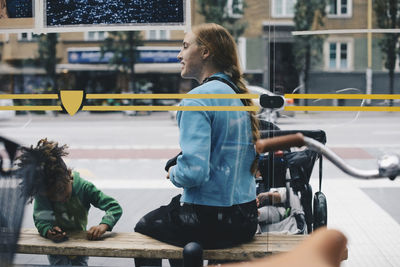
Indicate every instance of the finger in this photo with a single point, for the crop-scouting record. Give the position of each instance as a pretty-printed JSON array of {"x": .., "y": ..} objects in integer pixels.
[
  {"x": 89, "y": 234},
  {"x": 96, "y": 234},
  {"x": 50, "y": 232},
  {"x": 57, "y": 229},
  {"x": 331, "y": 244}
]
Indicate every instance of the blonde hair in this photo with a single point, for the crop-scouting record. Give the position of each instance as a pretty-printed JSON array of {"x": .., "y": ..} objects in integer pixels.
[{"x": 224, "y": 56}]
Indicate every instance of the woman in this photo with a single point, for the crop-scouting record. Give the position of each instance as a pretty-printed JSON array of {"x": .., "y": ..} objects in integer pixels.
[{"x": 216, "y": 166}]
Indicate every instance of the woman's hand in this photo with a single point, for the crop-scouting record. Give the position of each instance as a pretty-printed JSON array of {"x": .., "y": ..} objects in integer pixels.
[
  {"x": 56, "y": 234},
  {"x": 95, "y": 232}
]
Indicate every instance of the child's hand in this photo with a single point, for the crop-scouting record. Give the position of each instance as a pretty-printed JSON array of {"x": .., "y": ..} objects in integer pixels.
[
  {"x": 269, "y": 197},
  {"x": 56, "y": 234},
  {"x": 262, "y": 197},
  {"x": 95, "y": 232}
]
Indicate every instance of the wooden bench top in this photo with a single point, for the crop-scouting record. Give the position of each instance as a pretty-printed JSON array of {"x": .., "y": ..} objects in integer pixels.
[{"x": 131, "y": 245}]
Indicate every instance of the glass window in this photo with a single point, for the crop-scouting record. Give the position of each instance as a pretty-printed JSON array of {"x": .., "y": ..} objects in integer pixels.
[
  {"x": 283, "y": 8},
  {"x": 332, "y": 55},
  {"x": 163, "y": 34},
  {"x": 339, "y": 55},
  {"x": 95, "y": 36},
  {"x": 339, "y": 7},
  {"x": 158, "y": 34},
  {"x": 27, "y": 36},
  {"x": 152, "y": 34},
  {"x": 234, "y": 8},
  {"x": 343, "y": 56}
]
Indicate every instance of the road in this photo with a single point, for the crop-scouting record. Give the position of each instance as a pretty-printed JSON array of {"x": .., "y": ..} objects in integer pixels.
[{"x": 125, "y": 156}]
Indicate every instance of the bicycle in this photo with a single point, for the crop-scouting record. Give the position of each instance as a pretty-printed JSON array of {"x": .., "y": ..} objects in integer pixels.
[{"x": 388, "y": 164}]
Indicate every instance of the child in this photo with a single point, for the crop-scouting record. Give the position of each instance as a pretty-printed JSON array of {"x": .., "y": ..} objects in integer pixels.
[
  {"x": 62, "y": 198},
  {"x": 271, "y": 205},
  {"x": 280, "y": 210}
]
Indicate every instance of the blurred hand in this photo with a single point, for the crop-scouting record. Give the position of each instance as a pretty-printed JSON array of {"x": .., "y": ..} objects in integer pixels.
[
  {"x": 168, "y": 172},
  {"x": 324, "y": 248},
  {"x": 56, "y": 234},
  {"x": 270, "y": 197},
  {"x": 95, "y": 232},
  {"x": 262, "y": 197}
]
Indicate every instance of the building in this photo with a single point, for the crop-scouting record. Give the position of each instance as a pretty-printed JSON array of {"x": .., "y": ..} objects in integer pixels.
[
  {"x": 265, "y": 51},
  {"x": 342, "y": 64}
]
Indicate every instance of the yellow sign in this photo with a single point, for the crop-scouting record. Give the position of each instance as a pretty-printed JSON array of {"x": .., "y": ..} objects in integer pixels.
[{"x": 71, "y": 100}]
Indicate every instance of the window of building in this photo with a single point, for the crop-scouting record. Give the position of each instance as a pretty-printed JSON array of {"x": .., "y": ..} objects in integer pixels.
[
  {"x": 340, "y": 8},
  {"x": 338, "y": 55},
  {"x": 27, "y": 37},
  {"x": 234, "y": 8},
  {"x": 283, "y": 8},
  {"x": 95, "y": 36},
  {"x": 158, "y": 34}
]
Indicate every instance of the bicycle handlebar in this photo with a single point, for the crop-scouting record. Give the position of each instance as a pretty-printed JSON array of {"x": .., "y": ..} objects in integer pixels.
[
  {"x": 388, "y": 165},
  {"x": 280, "y": 143}
]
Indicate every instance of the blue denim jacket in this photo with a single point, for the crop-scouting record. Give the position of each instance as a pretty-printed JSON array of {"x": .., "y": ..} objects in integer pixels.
[{"x": 217, "y": 151}]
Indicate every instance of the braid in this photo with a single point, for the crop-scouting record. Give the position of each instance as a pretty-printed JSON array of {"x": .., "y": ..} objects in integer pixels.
[
  {"x": 239, "y": 81},
  {"x": 42, "y": 167}
]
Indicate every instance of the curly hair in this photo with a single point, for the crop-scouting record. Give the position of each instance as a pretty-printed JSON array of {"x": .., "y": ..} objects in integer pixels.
[{"x": 42, "y": 168}]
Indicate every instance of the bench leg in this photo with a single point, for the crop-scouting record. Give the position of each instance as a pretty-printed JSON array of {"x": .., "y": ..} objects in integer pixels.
[
  {"x": 147, "y": 262},
  {"x": 192, "y": 255}
]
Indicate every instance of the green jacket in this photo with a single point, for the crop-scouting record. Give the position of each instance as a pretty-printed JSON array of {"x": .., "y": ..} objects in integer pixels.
[{"x": 73, "y": 214}]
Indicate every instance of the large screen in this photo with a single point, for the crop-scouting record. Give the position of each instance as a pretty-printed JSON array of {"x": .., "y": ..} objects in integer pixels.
[
  {"x": 113, "y": 12},
  {"x": 42, "y": 16}
]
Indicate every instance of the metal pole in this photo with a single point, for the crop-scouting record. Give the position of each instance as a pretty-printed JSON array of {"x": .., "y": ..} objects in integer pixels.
[
  {"x": 265, "y": 47},
  {"x": 368, "y": 73}
]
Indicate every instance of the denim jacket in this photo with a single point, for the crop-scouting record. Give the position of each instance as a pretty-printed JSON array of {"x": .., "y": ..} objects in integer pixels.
[{"x": 217, "y": 151}]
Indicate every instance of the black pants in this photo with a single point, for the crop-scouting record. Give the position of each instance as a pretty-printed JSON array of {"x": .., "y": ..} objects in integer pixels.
[{"x": 212, "y": 227}]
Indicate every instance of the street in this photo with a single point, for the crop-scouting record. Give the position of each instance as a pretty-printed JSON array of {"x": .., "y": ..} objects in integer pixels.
[{"x": 125, "y": 157}]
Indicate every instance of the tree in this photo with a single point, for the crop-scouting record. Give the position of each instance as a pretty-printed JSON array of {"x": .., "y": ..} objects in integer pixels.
[
  {"x": 388, "y": 17},
  {"x": 47, "y": 49},
  {"x": 122, "y": 45},
  {"x": 217, "y": 11},
  {"x": 308, "y": 15}
]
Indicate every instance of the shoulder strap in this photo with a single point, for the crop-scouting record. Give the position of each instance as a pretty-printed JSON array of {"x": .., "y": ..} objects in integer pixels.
[{"x": 227, "y": 82}]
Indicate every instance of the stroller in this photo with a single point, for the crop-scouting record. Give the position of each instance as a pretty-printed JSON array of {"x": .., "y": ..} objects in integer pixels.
[{"x": 292, "y": 170}]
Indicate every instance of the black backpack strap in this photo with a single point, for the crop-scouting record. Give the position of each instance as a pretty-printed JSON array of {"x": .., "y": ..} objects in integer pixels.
[{"x": 227, "y": 82}]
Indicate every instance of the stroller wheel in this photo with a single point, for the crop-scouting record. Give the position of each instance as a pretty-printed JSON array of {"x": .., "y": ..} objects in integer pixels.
[{"x": 320, "y": 210}]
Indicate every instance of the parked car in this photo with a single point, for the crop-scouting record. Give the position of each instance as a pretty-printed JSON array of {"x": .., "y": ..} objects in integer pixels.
[
  {"x": 7, "y": 114},
  {"x": 267, "y": 114}
]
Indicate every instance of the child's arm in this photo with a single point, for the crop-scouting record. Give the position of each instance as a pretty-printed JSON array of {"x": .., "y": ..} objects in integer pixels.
[
  {"x": 108, "y": 204},
  {"x": 43, "y": 215}
]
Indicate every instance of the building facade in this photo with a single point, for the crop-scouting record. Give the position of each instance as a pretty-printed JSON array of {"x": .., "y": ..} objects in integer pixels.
[{"x": 265, "y": 51}]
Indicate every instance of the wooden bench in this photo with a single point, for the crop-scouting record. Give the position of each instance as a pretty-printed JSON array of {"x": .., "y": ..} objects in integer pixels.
[{"x": 132, "y": 245}]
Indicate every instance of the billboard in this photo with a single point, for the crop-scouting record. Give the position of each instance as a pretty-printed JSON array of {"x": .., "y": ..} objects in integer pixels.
[
  {"x": 92, "y": 55},
  {"x": 41, "y": 16}
]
